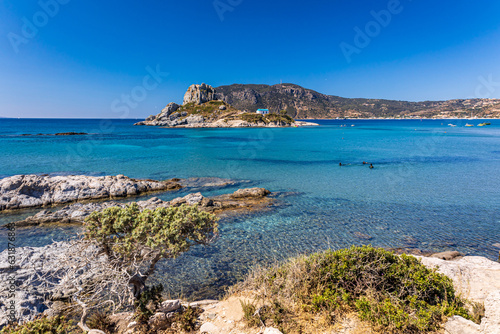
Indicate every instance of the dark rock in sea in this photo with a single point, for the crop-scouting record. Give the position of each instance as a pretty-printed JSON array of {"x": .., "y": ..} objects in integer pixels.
[
  {"x": 410, "y": 241},
  {"x": 70, "y": 134},
  {"x": 363, "y": 236},
  {"x": 409, "y": 251},
  {"x": 57, "y": 134}
]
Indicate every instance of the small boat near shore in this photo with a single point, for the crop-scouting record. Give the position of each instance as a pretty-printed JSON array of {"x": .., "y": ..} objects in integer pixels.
[
  {"x": 469, "y": 124},
  {"x": 483, "y": 124},
  {"x": 452, "y": 124}
]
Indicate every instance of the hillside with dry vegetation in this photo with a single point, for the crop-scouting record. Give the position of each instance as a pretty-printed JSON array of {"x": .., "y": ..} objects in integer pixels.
[{"x": 303, "y": 103}]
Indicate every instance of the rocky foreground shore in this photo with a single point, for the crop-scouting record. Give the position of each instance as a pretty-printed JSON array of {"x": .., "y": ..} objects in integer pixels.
[
  {"x": 27, "y": 191},
  {"x": 475, "y": 278},
  {"x": 35, "y": 266}
]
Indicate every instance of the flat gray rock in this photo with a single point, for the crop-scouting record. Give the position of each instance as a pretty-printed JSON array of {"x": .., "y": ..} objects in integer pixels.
[{"x": 25, "y": 191}]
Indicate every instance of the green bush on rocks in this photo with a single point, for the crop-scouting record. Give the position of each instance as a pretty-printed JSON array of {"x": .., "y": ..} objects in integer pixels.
[
  {"x": 44, "y": 325},
  {"x": 396, "y": 294}
]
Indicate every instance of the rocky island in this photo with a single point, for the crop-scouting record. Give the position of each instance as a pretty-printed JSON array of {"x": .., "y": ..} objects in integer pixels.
[{"x": 201, "y": 108}]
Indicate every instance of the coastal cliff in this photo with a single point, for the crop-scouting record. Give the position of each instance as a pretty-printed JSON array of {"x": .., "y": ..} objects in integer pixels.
[{"x": 202, "y": 109}]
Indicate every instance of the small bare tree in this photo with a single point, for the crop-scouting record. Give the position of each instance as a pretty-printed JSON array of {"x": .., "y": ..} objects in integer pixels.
[
  {"x": 120, "y": 249},
  {"x": 133, "y": 241}
]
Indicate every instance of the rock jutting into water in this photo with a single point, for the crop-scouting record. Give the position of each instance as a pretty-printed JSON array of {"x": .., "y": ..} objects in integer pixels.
[
  {"x": 25, "y": 191},
  {"x": 240, "y": 200}
]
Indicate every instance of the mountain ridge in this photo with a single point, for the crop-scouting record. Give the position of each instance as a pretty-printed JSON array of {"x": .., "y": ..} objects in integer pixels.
[{"x": 304, "y": 103}]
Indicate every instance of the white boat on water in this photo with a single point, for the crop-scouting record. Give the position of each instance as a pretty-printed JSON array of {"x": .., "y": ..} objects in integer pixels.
[{"x": 452, "y": 124}]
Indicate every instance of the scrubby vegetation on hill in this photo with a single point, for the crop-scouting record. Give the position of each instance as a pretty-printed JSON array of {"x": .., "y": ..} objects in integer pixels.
[
  {"x": 305, "y": 103},
  {"x": 266, "y": 119},
  {"x": 216, "y": 110},
  {"x": 395, "y": 294},
  {"x": 206, "y": 109}
]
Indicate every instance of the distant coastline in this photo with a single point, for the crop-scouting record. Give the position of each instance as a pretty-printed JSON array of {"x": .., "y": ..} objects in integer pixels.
[{"x": 395, "y": 118}]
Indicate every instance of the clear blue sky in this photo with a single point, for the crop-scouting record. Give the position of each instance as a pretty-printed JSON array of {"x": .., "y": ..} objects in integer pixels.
[{"x": 85, "y": 56}]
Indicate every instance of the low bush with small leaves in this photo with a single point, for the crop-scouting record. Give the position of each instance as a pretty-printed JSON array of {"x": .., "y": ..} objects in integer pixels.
[
  {"x": 148, "y": 303},
  {"x": 270, "y": 315},
  {"x": 44, "y": 325},
  {"x": 102, "y": 321},
  {"x": 279, "y": 118},
  {"x": 395, "y": 294},
  {"x": 187, "y": 319},
  {"x": 252, "y": 118}
]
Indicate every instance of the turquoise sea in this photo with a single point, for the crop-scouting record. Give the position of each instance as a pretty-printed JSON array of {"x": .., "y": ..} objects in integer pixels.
[{"x": 434, "y": 187}]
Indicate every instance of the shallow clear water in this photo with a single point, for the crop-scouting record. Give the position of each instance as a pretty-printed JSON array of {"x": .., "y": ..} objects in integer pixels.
[{"x": 434, "y": 187}]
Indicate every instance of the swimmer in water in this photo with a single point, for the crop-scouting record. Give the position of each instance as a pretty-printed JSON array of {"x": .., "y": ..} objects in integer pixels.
[{"x": 371, "y": 166}]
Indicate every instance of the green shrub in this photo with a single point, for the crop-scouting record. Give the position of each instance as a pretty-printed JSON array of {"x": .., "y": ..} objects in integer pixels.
[
  {"x": 187, "y": 319},
  {"x": 44, "y": 325},
  {"x": 279, "y": 118},
  {"x": 101, "y": 320},
  {"x": 395, "y": 293},
  {"x": 249, "y": 315},
  {"x": 272, "y": 314},
  {"x": 148, "y": 303},
  {"x": 252, "y": 118}
]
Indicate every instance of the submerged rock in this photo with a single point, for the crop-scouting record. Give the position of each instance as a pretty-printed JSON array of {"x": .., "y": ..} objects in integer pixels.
[
  {"x": 245, "y": 199},
  {"x": 250, "y": 192},
  {"x": 207, "y": 182},
  {"x": 24, "y": 191},
  {"x": 57, "y": 134}
]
